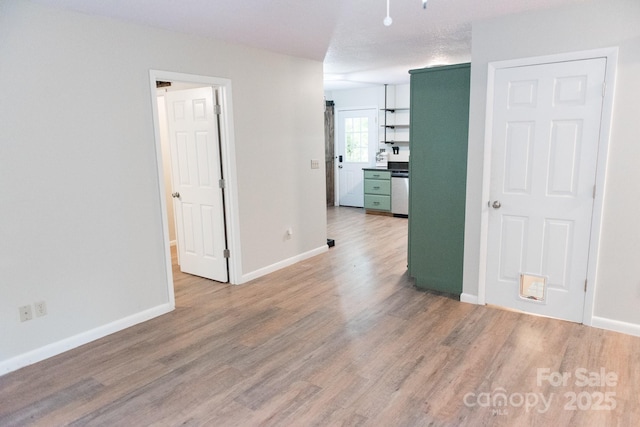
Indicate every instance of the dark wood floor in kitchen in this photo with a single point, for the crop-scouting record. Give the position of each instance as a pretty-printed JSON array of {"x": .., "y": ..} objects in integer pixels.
[{"x": 340, "y": 339}]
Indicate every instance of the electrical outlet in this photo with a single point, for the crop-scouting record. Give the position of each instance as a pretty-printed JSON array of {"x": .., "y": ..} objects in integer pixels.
[
  {"x": 41, "y": 308},
  {"x": 25, "y": 313},
  {"x": 315, "y": 164}
]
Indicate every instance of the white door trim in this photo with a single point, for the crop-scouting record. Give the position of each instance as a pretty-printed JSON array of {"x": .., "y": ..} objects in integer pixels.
[
  {"x": 228, "y": 159},
  {"x": 611, "y": 54},
  {"x": 336, "y": 171}
]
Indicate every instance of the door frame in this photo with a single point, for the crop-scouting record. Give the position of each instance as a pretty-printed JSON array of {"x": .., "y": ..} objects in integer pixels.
[
  {"x": 227, "y": 159},
  {"x": 337, "y": 112},
  {"x": 611, "y": 55}
]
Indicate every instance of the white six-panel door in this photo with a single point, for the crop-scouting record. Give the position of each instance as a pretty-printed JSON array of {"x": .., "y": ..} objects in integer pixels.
[
  {"x": 195, "y": 171},
  {"x": 545, "y": 133}
]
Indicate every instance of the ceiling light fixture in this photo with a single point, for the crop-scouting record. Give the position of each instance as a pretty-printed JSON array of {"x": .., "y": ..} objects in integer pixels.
[{"x": 387, "y": 19}]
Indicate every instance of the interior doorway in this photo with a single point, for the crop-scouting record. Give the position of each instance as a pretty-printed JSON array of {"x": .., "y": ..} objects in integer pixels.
[
  {"x": 192, "y": 117},
  {"x": 221, "y": 89}
]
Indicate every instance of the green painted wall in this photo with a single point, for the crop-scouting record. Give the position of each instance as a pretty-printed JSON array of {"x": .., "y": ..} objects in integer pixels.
[{"x": 438, "y": 170}]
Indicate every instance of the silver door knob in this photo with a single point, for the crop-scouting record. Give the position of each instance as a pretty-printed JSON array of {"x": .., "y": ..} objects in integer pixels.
[
  {"x": 175, "y": 195},
  {"x": 496, "y": 204}
]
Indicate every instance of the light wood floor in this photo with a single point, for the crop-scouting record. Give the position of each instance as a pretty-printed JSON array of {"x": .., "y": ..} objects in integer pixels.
[{"x": 340, "y": 339}]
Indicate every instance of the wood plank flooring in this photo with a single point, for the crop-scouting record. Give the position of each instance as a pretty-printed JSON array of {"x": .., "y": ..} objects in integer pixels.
[{"x": 340, "y": 339}]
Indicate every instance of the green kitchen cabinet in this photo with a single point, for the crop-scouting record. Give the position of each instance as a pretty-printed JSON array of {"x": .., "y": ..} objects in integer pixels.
[
  {"x": 438, "y": 172},
  {"x": 377, "y": 190}
]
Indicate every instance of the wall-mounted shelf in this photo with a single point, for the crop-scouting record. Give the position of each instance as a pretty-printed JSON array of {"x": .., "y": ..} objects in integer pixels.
[
  {"x": 393, "y": 110},
  {"x": 390, "y": 134},
  {"x": 394, "y": 141},
  {"x": 396, "y": 126}
]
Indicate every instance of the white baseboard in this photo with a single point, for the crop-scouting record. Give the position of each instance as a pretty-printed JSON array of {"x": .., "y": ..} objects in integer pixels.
[
  {"x": 282, "y": 264},
  {"x": 468, "y": 298},
  {"x": 616, "y": 325},
  {"x": 66, "y": 344},
  {"x": 596, "y": 322}
]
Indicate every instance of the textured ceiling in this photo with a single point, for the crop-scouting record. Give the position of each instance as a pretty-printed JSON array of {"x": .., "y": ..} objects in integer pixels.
[{"x": 348, "y": 35}]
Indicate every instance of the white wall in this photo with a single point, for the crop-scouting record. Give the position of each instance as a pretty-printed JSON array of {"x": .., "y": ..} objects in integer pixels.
[
  {"x": 80, "y": 219},
  {"x": 584, "y": 26}
]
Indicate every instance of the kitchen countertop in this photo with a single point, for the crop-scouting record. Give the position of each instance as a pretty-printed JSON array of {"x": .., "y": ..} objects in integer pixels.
[
  {"x": 382, "y": 168},
  {"x": 392, "y": 166}
]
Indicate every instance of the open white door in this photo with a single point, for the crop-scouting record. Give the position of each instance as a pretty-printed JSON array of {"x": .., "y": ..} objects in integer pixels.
[
  {"x": 356, "y": 149},
  {"x": 546, "y": 129},
  {"x": 196, "y": 175}
]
